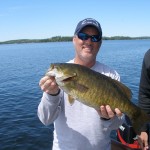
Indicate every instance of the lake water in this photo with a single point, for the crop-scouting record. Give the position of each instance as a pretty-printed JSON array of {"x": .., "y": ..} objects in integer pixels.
[{"x": 22, "y": 66}]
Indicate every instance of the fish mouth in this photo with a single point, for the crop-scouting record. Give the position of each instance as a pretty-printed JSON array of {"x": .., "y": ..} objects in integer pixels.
[
  {"x": 60, "y": 75},
  {"x": 65, "y": 79}
]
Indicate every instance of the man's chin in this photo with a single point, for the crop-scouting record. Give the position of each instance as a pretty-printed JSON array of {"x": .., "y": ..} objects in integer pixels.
[{"x": 88, "y": 57}]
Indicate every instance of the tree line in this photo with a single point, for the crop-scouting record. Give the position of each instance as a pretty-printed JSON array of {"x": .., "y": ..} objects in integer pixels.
[{"x": 67, "y": 38}]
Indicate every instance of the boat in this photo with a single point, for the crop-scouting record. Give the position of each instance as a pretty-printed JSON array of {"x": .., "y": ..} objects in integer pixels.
[
  {"x": 116, "y": 145},
  {"x": 126, "y": 138}
]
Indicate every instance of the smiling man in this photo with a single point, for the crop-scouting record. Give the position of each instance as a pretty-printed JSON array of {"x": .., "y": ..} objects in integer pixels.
[{"x": 77, "y": 126}]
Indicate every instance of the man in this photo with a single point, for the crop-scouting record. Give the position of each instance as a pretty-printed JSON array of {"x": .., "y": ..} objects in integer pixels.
[
  {"x": 144, "y": 91},
  {"x": 77, "y": 126},
  {"x": 144, "y": 88}
]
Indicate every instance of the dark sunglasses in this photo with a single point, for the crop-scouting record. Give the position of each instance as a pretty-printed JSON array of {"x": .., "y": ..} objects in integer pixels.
[{"x": 84, "y": 36}]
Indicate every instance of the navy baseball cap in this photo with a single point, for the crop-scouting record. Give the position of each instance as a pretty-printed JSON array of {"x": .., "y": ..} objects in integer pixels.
[{"x": 88, "y": 22}]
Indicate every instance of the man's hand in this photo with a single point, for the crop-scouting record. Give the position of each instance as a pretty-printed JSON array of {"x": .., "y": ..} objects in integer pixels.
[
  {"x": 143, "y": 140},
  {"x": 107, "y": 113},
  {"x": 48, "y": 85}
]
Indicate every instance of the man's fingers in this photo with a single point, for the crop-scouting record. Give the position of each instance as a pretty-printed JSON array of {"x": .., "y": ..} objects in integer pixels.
[
  {"x": 109, "y": 111},
  {"x": 103, "y": 112},
  {"x": 140, "y": 142},
  {"x": 43, "y": 80},
  {"x": 118, "y": 112},
  {"x": 106, "y": 112},
  {"x": 143, "y": 140}
]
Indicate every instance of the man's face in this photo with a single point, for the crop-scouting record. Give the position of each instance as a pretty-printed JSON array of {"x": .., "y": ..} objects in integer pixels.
[{"x": 86, "y": 50}]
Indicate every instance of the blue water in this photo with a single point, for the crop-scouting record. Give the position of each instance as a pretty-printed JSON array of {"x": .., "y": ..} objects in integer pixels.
[{"x": 22, "y": 66}]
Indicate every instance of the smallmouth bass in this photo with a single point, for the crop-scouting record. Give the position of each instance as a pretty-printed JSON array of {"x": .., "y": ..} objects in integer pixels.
[{"x": 95, "y": 89}]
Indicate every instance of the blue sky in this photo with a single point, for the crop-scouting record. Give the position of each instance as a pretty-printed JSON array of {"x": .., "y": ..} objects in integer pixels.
[{"x": 38, "y": 19}]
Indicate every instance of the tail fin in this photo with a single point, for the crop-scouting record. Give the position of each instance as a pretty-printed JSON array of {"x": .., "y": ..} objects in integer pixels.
[{"x": 140, "y": 123}]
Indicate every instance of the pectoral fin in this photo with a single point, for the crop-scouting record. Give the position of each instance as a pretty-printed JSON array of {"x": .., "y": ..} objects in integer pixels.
[{"x": 71, "y": 99}]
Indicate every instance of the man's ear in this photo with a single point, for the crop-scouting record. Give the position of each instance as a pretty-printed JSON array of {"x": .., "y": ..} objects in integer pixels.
[{"x": 73, "y": 39}]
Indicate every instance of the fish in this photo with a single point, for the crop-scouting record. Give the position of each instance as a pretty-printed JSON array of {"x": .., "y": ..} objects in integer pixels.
[{"x": 95, "y": 89}]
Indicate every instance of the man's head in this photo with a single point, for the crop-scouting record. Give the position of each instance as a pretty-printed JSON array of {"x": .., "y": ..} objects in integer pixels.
[
  {"x": 88, "y": 22},
  {"x": 87, "y": 41}
]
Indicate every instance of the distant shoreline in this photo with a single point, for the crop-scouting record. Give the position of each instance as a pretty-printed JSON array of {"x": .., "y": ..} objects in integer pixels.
[{"x": 68, "y": 38}]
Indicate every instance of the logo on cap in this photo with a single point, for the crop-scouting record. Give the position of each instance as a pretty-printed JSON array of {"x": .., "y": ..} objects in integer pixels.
[{"x": 90, "y": 21}]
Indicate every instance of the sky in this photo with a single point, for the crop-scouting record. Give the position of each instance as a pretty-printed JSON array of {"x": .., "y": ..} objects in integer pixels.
[{"x": 40, "y": 19}]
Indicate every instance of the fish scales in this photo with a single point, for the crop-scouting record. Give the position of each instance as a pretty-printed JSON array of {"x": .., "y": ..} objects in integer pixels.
[{"x": 95, "y": 89}]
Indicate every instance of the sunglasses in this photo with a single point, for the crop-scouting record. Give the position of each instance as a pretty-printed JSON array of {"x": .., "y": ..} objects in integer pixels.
[{"x": 84, "y": 36}]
